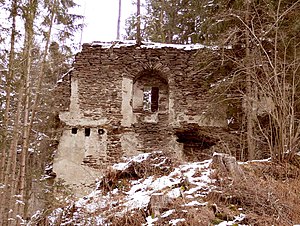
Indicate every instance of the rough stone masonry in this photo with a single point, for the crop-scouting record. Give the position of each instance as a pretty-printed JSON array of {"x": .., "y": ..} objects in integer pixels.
[{"x": 121, "y": 99}]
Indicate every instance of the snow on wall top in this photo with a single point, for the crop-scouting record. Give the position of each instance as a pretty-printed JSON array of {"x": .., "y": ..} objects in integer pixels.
[{"x": 147, "y": 45}]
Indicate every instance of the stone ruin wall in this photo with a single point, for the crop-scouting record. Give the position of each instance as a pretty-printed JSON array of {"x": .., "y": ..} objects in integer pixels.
[{"x": 104, "y": 94}]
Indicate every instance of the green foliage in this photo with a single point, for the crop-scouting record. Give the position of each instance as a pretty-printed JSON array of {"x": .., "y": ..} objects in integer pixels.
[
  {"x": 171, "y": 21},
  {"x": 183, "y": 21},
  {"x": 209, "y": 21},
  {"x": 216, "y": 221},
  {"x": 67, "y": 23}
]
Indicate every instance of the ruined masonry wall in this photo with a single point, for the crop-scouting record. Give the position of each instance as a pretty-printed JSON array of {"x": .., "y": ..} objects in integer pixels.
[{"x": 105, "y": 83}]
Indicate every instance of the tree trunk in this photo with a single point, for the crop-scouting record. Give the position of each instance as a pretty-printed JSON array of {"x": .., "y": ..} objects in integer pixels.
[
  {"x": 42, "y": 71},
  {"x": 29, "y": 32},
  {"x": 249, "y": 92},
  {"x": 138, "y": 28},
  {"x": 162, "y": 33},
  {"x": 10, "y": 173},
  {"x": 119, "y": 19},
  {"x": 9, "y": 78},
  {"x": 8, "y": 160}
]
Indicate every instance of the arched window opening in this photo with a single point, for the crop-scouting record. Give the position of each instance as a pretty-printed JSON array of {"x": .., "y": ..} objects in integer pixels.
[{"x": 150, "y": 93}]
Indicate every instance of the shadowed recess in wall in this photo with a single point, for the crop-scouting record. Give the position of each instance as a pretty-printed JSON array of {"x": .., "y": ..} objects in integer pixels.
[{"x": 195, "y": 144}]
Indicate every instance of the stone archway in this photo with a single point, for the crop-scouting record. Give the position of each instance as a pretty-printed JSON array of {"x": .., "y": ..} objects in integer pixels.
[
  {"x": 150, "y": 93},
  {"x": 145, "y": 125}
]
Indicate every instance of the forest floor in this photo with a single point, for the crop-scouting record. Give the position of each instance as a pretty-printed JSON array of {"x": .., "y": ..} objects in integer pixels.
[{"x": 152, "y": 189}]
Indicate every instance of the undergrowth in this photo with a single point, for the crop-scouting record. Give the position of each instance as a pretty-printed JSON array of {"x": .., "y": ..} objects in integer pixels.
[
  {"x": 269, "y": 194},
  {"x": 265, "y": 193}
]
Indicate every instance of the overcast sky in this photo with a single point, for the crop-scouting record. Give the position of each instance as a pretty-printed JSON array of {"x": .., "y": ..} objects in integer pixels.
[{"x": 101, "y": 18}]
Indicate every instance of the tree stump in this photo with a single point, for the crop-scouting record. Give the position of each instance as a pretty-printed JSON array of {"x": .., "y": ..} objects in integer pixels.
[
  {"x": 157, "y": 203},
  {"x": 227, "y": 165}
]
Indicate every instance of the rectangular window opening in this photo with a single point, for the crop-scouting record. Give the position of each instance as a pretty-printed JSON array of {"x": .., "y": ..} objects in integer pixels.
[
  {"x": 150, "y": 101},
  {"x": 154, "y": 99},
  {"x": 74, "y": 130},
  {"x": 147, "y": 98},
  {"x": 87, "y": 132}
]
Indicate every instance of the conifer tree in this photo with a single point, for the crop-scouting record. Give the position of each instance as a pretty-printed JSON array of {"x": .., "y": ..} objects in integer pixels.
[{"x": 27, "y": 70}]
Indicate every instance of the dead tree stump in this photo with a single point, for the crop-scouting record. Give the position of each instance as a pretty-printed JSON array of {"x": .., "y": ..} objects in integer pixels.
[
  {"x": 157, "y": 203},
  {"x": 227, "y": 166}
]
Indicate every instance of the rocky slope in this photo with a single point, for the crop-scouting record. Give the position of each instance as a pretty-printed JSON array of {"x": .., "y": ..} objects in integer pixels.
[{"x": 152, "y": 189}]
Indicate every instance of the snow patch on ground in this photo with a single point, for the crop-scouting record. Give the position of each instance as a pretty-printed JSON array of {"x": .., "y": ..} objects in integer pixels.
[
  {"x": 175, "y": 221},
  {"x": 150, "y": 221},
  {"x": 234, "y": 222},
  {"x": 190, "y": 181},
  {"x": 124, "y": 165}
]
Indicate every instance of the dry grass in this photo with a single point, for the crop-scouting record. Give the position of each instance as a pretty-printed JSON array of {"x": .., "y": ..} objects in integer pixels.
[
  {"x": 158, "y": 164},
  {"x": 193, "y": 215},
  {"x": 269, "y": 195},
  {"x": 136, "y": 218}
]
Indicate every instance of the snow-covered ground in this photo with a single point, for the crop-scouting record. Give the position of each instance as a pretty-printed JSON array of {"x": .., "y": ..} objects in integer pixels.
[{"x": 189, "y": 183}]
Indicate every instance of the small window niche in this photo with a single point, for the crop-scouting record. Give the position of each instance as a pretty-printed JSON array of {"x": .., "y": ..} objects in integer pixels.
[
  {"x": 150, "y": 101},
  {"x": 87, "y": 132},
  {"x": 74, "y": 130},
  {"x": 101, "y": 131}
]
